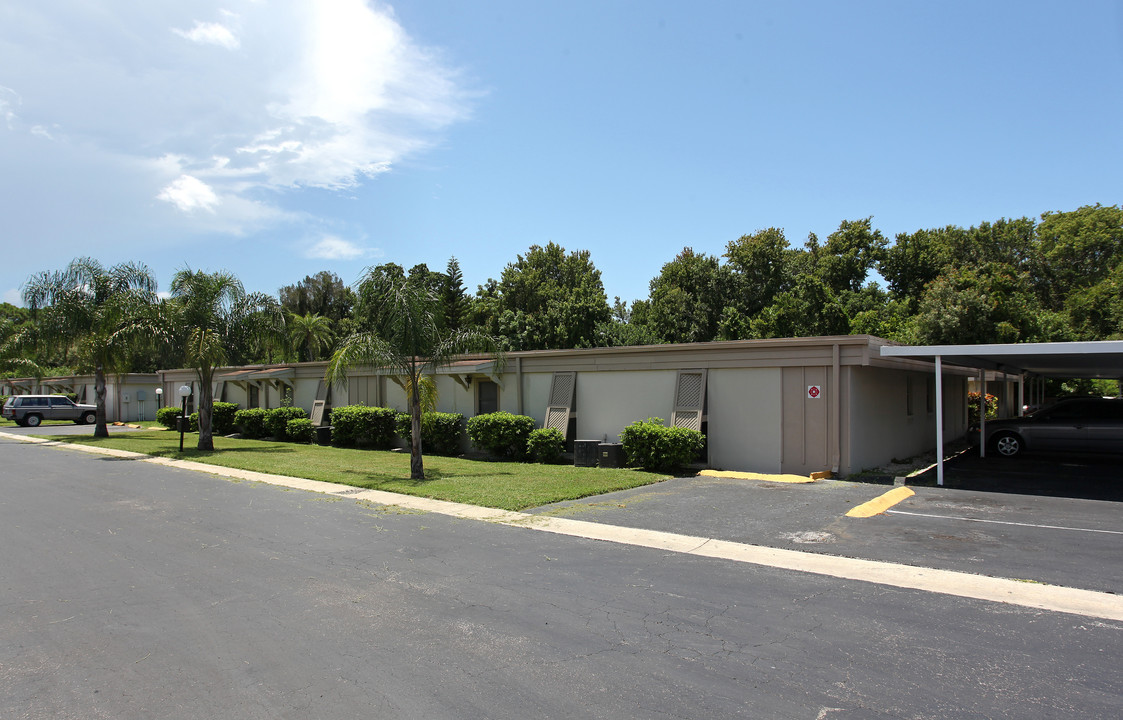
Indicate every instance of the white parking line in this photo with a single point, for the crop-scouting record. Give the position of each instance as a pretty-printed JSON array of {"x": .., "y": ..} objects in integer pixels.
[{"x": 1004, "y": 522}]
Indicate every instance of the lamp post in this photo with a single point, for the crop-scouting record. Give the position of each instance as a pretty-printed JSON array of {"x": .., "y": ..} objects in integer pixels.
[
  {"x": 184, "y": 391},
  {"x": 159, "y": 398}
]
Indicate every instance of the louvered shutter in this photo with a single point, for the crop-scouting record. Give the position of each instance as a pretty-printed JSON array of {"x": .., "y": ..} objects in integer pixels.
[
  {"x": 561, "y": 401},
  {"x": 690, "y": 399}
]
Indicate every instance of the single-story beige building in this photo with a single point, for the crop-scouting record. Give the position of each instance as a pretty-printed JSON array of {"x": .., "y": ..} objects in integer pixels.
[{"x": 796, "y": 405}]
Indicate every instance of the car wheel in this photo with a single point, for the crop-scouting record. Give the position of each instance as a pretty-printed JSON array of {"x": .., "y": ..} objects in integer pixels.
[
  {"x": 32, "y": 421},
  {"x": 1007, "y": 444},
  {"x": 89, "y": 418}
]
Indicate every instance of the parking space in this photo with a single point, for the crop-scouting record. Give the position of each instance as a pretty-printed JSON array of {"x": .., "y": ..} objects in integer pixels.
[{"x": 1075, "y": 475}]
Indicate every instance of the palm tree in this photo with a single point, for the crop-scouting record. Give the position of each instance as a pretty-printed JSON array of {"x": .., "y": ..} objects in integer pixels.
[
  {"x": 401, "y": 332},
  {"x": 311, "y": 332},
  {"x": 102, "y": 314},
  {"x": 13, "y": 342},
  {"x": 218, "y": 315}
]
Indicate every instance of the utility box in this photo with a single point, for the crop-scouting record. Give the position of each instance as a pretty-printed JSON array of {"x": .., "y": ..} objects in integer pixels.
[
  {"x": 610, "y": 455},
  {"x": 585, "y": 453}
]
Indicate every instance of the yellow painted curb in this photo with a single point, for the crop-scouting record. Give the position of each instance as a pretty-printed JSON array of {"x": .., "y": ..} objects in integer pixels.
[
  {"x": 881, "y": 503},
  {"x": 756, "y": 476}
]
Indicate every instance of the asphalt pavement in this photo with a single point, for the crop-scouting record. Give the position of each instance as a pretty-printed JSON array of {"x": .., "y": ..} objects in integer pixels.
[{"x": 134, "y": 590}]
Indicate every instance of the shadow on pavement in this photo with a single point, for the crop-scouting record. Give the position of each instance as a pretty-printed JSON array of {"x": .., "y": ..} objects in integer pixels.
[{"x": 1073, "y": 475}]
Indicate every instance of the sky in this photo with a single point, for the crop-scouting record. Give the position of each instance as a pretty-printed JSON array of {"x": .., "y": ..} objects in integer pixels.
[{"x": 278, "y": 138}]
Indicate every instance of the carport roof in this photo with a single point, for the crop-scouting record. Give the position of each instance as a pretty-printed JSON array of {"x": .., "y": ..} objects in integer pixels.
[{"x": 1094, "y": 359}]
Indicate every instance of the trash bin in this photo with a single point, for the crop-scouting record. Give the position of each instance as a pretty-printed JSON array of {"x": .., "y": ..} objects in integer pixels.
[
  {"x": 610, "y": 455},
  {"x": 323, "y": 435},
  {"x": 585, "y": 453}
]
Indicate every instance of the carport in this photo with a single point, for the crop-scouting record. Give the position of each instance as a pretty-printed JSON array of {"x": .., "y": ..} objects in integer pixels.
[{"x": 1094, "y": 359}]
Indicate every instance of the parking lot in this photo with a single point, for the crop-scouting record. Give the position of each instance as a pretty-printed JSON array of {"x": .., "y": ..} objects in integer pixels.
[{"x": 1042, "y": 519}]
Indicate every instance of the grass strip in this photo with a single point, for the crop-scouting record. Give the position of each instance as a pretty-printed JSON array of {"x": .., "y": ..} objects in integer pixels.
[{"x": 504, "y": 485}]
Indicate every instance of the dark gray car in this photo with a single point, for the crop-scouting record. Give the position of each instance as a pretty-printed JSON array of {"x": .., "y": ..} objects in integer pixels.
[
  {"x": 32, "y": 410},
  {"x": 1076, "y": 424}
]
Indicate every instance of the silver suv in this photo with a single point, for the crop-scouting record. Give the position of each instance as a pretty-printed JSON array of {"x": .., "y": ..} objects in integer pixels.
[{"x": 31, "y": 410}]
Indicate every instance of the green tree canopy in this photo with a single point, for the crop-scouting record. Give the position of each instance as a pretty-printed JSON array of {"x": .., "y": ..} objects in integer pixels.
[{"x": 546, "y": 299}]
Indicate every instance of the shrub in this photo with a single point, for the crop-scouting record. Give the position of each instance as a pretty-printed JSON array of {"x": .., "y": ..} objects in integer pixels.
[
  {"x": 167, "y": 416},
  {"x": 652, "y": 446},
  {"x": 973, "y": 407},
  {"x": 440, "y": 432},
  {"x": 251, "y": 422},
  {"x": 501, "y": 433},
  {"x": 277, "y": 420},
  {"x": 545, "y": 445},
  {"x": 193, "y": 422},
  {"x": 222, "y": 417},
  {"x": 300, "y": 430},
  {"x": 355, "y": 425}
]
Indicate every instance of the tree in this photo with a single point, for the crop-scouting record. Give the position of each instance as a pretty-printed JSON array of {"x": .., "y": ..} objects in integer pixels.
[
  {"x": 100, "y": 314},
  {"x": 989, "y": 304},
  {"x": 546, "y": 299},
  {"x": 14, "y": 340},
  {"x": 311, "y": 333},
  {"x": 399, "y": 331},
  {"x": 218, "y": 315},
  {"x": 849, "y": 254},
  {"x": 688, "y": 297},
  {"x": 1078, "y": 249},
  {"x": 321, "y": 294},
  {"x": 454, "y": 299}
]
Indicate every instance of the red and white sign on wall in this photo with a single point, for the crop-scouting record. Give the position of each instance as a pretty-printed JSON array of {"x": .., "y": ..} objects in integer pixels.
[{"x": 814, "y": 392}]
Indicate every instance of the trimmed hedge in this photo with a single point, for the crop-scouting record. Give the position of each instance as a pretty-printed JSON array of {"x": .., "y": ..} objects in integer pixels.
[
  {"x": 167, "y": 416},
  {"x": 501, "y": 434},
  {"x": 359, "y": 425},
  {"x": 251, "y": 422},
  {"x": 440, "y": 432},
  {"x": 300, "y": 430},
  {"x": 545, "y": 445},
  {"x": 277, "y": 420},
  {"x": 222, "y": 417},
  {"x": 652, "y": 446}
]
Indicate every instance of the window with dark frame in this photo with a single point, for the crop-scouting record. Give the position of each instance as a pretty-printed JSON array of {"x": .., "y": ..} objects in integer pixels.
[{"x": 487, "y": 397}]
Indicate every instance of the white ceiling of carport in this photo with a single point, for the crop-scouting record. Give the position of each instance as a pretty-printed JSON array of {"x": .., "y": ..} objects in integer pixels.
[{"x": 1096, "y": 359}]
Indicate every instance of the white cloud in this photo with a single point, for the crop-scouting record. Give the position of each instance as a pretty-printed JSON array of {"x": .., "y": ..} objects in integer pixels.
[
  {"x": 319, "y": 95},
  {"x": 334, "y": 248},
  {"x": 189, "y": 193},
  {"x": 210, "y": 33}
]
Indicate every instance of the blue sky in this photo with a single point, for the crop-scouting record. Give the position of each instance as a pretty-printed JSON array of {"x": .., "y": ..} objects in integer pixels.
[{"x": 276, "y": 138}]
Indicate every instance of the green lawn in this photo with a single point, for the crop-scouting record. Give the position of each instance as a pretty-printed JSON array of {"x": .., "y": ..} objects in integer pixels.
[{"x": 506, "y": 485}]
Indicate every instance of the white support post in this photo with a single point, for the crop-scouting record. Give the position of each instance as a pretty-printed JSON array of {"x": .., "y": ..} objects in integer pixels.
[
  {"x": 939, "y": 422},
  {"x": 1021, "y": 395},
  {"x": 982, "y": 413}
]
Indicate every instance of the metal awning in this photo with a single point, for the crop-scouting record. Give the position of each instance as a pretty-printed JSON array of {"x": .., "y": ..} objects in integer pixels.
[{"x": 1092, "y": 359}]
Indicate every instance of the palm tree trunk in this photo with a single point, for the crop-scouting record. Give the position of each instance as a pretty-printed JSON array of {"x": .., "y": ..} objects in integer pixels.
[
  {"x": 101, "y": 430},
  {"x": 205, "y": 408},
  {"x": 416, "y": 463}
]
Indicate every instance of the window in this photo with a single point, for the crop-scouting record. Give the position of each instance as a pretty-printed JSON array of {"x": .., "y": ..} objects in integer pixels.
[
  {"x": 487, "y": 397},
  {"x": 61, "y": 402},
  {"x": 253, "y": 399}
]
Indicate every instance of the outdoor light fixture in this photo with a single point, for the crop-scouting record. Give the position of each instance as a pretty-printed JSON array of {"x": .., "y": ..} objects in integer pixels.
[
  {"x": 184, "y": 392},
  {"x": 159, "y": 397}
]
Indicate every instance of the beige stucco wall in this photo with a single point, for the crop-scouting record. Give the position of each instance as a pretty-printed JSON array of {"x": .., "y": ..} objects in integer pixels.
[
  {"x": 881, "y": 428},
  {"x": 607, "y": 402},
  {"x": 536, "y": 393},
  {"x": 744, "y": 419}
]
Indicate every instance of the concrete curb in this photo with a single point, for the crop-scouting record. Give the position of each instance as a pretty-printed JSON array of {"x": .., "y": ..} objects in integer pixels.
[{"x": 1053, "y": 598}]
